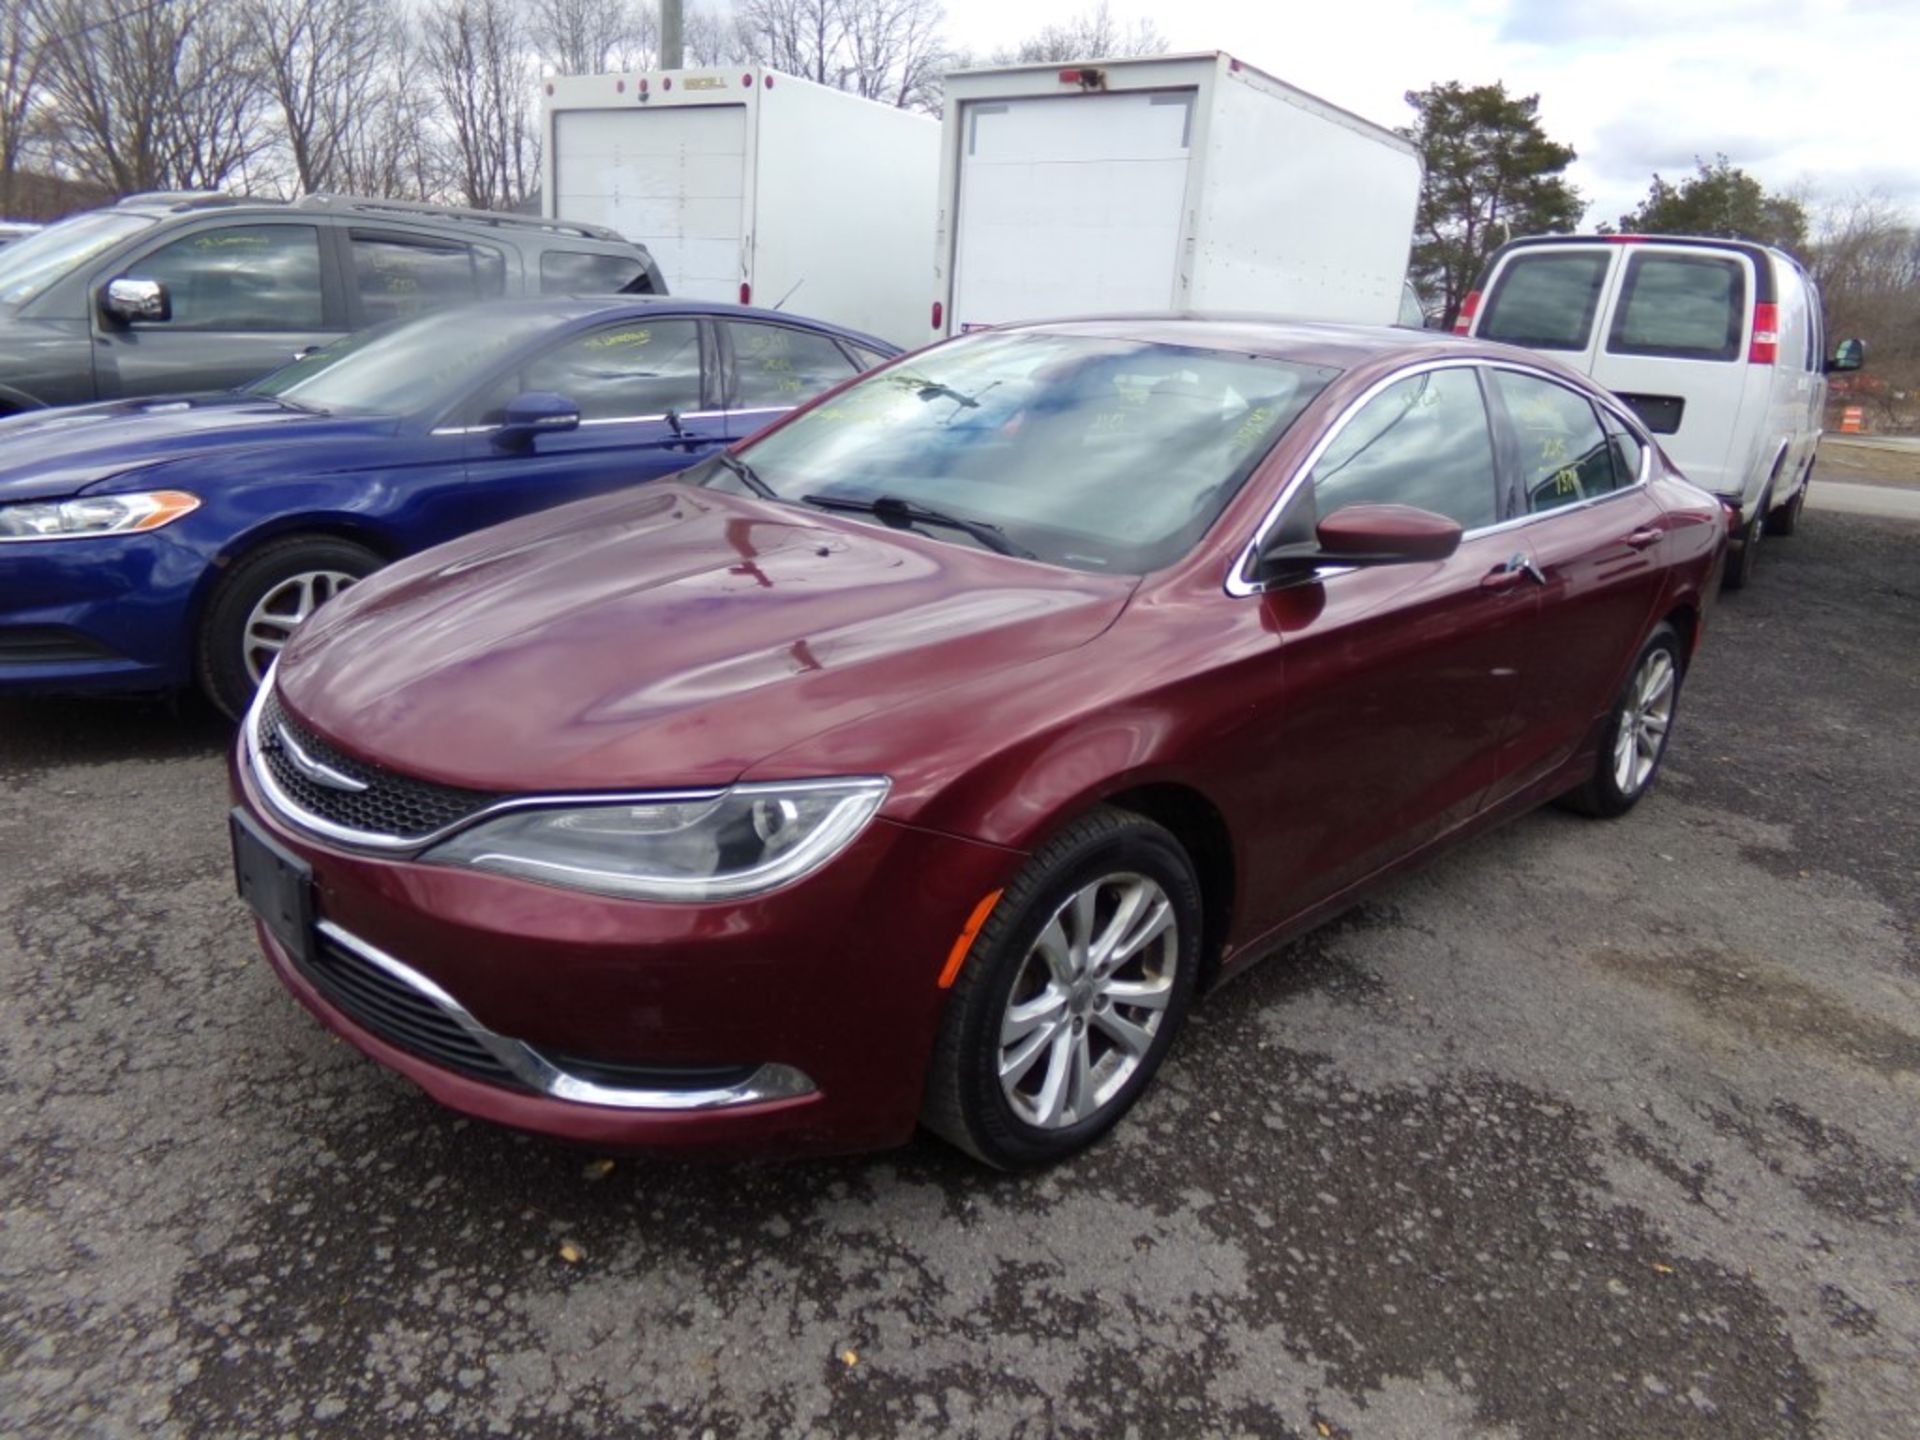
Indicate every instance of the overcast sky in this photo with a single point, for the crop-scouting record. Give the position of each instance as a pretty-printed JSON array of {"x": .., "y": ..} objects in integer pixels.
[{"x": 1820, "y": 96}]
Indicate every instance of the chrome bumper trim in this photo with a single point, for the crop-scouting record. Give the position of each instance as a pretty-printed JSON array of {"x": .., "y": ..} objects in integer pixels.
[{"x": 531, "y": 1068}]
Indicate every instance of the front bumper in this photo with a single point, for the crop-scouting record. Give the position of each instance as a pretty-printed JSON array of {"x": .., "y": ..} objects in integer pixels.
[
  {"x": 815, "y": 1006},
  {"x": 105, "y": 613}
]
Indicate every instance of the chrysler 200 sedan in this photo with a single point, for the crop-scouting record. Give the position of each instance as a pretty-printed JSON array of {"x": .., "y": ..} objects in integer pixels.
[{"x": 921, "y": 759}]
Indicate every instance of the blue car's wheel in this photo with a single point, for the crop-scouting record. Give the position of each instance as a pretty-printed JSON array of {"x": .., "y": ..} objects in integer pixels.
[{"x": 259, "y": 604}]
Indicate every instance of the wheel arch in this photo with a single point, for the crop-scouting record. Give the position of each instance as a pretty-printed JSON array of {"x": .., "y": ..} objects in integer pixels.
[
  {"x": 1202, "y": 831},
  {"x": 323, "y": 526}
]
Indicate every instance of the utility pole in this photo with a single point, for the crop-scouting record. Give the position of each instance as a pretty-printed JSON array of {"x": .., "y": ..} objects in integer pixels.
[{"x": 672, "y": 52}]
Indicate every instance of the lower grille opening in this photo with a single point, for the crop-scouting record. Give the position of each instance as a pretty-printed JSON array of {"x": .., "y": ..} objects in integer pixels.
[
  {"x": 398, "y": 1014},
  {"x": 50, "y": 645}
]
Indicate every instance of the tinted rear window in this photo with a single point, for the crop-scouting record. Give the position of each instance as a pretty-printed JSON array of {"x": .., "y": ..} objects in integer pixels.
[
  {"x": 574, "y": 272},
  {"x": 1546, "y": 302},
  {"x": 1682, "y": 307}
]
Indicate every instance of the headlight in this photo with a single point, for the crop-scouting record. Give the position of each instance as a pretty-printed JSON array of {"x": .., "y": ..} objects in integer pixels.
[
  {"x": 744, "y": 841},
  {"x": 95, "y": 515}
]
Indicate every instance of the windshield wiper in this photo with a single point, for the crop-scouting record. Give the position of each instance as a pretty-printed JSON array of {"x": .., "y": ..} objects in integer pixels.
[
  {"x": 903, "y": 514},
  {"x": 747, "y": 475}
]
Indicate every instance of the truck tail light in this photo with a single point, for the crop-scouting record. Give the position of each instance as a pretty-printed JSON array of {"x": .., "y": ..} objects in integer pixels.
[
  {"x": 1463, "y": 322},
  {"x": 1765, "y": 348},
  {"x": 939, "y": 314},
  {"x": 746, "y": 292}
]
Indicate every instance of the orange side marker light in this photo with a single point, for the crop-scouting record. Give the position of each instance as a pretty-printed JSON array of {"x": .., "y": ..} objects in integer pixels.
[{"x": 957, "y": 956}]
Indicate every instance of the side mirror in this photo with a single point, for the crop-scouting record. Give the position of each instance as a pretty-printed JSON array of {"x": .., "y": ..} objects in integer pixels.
[
  {"x": 129, "y": 299},
  {"x": 1848, "y": 355},
  {"x": 538, "y": 412},
  {"x": 1361, "y": 535}
]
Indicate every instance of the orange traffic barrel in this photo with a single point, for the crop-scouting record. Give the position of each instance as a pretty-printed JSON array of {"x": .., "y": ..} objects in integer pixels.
[{"x": 1852, "y": 420}]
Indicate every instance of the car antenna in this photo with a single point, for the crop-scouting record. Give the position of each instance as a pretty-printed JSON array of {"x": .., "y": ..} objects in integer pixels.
[{"x": 781, "y": 304}]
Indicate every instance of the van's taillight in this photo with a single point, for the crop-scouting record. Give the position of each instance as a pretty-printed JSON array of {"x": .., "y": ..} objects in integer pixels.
[
  {"x": 1765, "y": 348},
  {"x": 1463, "y": 322},
  {"x": 746, "y": 293},
  {"x": 939, "y": 314}
]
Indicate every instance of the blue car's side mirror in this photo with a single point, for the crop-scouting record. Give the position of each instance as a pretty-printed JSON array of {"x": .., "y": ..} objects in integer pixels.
[{"x": 538, "y": 412}]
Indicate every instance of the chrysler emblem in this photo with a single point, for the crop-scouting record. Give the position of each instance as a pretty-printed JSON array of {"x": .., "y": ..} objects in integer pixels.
[{"x": 315, "y": 770}]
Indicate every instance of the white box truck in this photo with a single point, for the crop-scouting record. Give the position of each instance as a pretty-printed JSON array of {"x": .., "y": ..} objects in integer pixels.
[
  {"x": 750, "y": 185},
  {"x": 1178, "y": 182}
]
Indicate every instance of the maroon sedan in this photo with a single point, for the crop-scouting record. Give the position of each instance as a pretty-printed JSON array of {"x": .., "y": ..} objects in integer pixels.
[{"x": 920, "y": 760}]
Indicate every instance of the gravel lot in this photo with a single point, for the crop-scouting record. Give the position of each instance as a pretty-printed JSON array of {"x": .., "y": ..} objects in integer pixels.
[{"x": 1588, "y": 1129}]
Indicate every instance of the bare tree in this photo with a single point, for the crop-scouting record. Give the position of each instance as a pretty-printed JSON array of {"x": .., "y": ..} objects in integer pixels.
[
  {"x": 395, "y": 150},
  {"x": 589, "y": 37},
  {"x": 159, "y": 96},
  {"x": 477, "y": 61},
  {"x": 802, "y": 37},
  {"x": 1867, "y": 260},
  {"x": 710, "y": 40},
  {"x": 894, "y": 49},
  {"x": 325, "y": 64},
  {"x": 21, "y": 57},
  {"x": 1091, "y": 35}
]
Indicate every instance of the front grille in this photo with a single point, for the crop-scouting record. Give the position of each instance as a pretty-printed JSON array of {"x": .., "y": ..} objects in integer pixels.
[
  {"x": 398, "y": 1013},
  {"x": 392, "y": 806},
  {"x": 49, "y": 645}
]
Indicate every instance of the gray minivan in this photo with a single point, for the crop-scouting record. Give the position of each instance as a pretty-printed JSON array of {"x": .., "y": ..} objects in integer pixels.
[{"x": 164, "y": 293}]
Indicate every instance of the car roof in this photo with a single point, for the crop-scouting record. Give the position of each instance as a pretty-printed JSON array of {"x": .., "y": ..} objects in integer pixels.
[{"x": 1342, "y": 347}]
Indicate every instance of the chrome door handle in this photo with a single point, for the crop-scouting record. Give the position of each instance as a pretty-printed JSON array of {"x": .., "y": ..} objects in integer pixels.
[
  {"x": 1641, "y": 539},
  {"x": 1519, "y": 565}
]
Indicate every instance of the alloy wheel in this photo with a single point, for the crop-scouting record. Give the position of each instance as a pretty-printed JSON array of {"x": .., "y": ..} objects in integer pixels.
[
  {"x": 1089, "y": 998},
  {"x": 1644, "y": 721},
  {"x": 279, "y": 612}
]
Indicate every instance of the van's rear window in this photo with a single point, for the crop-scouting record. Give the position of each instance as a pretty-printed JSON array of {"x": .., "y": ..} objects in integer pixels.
[
  {"x": 1546, "y": 301},
  {"x": 1682, "y": 307}
]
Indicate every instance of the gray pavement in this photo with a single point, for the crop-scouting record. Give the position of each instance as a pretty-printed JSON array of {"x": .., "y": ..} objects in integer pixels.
[
  {"x": 1888, "y": 501},
  {"x": 1587, "y": 1130}
]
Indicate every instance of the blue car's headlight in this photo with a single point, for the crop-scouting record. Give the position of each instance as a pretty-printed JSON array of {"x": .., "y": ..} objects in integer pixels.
[
  {"x": 741, "y": 842},
  {"x": 94, "y": 515}
]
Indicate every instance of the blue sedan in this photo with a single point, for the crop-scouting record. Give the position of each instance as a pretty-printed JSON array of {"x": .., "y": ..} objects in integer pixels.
[{"x": 155, "y": 544}]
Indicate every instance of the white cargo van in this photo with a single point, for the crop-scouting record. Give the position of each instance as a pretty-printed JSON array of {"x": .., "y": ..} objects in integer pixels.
[
  {"x": 1181, "y": 182},
  {"x": 1718, "y": 345},
  {"x": 753, "y": 186}
]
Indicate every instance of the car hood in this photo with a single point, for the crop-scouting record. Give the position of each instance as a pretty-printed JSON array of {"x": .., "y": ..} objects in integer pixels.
[
  {"x": 48, "y": 454},
  {"x": 665, "y": 637}
]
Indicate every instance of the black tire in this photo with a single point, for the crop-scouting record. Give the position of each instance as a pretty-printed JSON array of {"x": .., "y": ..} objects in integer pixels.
[
  {"x": 1785, "y": 520},
  {"x": 223, "y": 651},
  {"x": 1105, "y": 851},
  {"x": 1746, "y": 548},
  {"x": 1603, "y": 794}
]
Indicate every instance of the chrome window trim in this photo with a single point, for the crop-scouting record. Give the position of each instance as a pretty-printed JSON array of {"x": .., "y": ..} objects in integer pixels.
[
  {"x": 536, "y": 1072},
  {"x": 1239, "y": 584},
  {"x": 584, "y": 424}
]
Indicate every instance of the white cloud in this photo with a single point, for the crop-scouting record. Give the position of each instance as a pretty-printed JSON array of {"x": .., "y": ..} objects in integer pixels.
[{"x": 1814, "y": 96}]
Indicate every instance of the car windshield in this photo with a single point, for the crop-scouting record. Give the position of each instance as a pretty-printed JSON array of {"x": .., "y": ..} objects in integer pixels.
[
  {"x": 1096, "y": 453},
  {"x": 29, "y": 265},
  {"x": 405, "y": 366}
]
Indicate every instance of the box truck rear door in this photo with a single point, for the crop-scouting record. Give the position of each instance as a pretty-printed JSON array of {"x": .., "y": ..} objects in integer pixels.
[
  {"x": 673, "y": 179},
  {"x": 1069, "y": 204}
]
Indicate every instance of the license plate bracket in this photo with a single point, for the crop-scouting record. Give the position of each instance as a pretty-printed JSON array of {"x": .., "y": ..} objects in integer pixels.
[{"x": 276, "y": 884}]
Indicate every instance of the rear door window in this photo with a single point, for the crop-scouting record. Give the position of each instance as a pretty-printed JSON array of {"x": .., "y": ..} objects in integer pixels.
[
  {"x": 777, "y": 366},
  {"x": 1546, "y": 300},
  {"x": 398, "y": 277},
  {"x": 1563, "y": 455},
  {"x": 1627, "y": 450},
  {"x": 1680, "y": 307}
]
